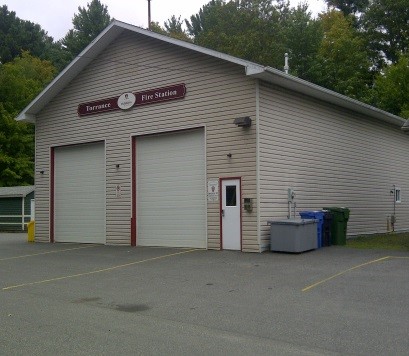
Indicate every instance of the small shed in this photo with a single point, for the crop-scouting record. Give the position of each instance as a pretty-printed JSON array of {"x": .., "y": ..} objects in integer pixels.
[{"x": 16, "y": 207}]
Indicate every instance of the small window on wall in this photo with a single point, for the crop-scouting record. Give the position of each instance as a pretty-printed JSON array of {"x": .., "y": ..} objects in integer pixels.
[
  {"x": 231, "y": 195},
  {"x": 398, "y": 197}
]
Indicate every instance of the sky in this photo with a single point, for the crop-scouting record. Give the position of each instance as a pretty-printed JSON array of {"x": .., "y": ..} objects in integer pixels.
[{"x": 55, "y": 16}]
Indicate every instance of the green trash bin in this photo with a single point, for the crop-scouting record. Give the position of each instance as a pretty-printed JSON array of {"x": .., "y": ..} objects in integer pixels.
[{"x": 339, "y": 223}]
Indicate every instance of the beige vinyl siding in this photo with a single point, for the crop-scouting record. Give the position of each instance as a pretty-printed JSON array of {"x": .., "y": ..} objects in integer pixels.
[
  {"x": 217, "y": 92},
  {"x": 330, "y": 157}
]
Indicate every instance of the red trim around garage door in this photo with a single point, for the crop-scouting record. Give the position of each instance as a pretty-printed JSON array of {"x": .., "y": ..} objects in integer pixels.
[
  {"x": 52, "y": 194},
  {"x": 133, "y": 218},
  {"x": 134, "y": 235},
  {"x": 52, "y": 183}
]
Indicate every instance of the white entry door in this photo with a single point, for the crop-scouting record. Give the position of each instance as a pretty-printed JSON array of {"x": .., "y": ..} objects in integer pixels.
[{"x": 231, "y": 224}]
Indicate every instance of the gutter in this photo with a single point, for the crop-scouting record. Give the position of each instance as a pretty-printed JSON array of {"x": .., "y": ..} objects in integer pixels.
[{"x": 301, "y": 86}]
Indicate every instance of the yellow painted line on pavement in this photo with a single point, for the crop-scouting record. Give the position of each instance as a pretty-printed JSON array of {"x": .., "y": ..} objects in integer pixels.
[
  {"x": 343, "y": 272},
  {"x": 48, "y": 252},
  {"x": 97, "y": 271}
]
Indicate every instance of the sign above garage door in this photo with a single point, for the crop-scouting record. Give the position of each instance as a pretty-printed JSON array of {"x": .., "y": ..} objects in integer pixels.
[{"x": 129, "y": 100}]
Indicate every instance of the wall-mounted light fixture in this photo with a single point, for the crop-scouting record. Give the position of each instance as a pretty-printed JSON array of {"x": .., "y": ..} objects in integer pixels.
[
  {"x": 244, "y": 121},
  {"x": 41, "y": 172},
  {"x": 117, "y": 165},
  {"x": 229, "y": 155}
]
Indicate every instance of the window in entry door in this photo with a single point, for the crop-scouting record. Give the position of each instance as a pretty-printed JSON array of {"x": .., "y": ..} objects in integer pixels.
[{"x": 231, "y": 195}]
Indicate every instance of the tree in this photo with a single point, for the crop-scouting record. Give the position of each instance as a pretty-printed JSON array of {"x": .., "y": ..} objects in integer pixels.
[
  {"x": 392, "y": 88},
  {"x": 386, "y": 24},
  {"x": 21, "y": 80},
  {"x": 303, "y": 36},
  {"x": 342, "y": 62},
  {"x": 16, "y": 151},
  {"x": 157, "y": 28},
  {"x": 88, "y": 24},
  {"x": 247, "y": 29},
  {"x": 261, "y": 31},
  {"x": 348, "y": 7},
  {"x": 17, "y": 35},
  {"x": 200, "y": 22},
  {"x": 172, "y": 28},
  {"x": 57, "y": 55}
]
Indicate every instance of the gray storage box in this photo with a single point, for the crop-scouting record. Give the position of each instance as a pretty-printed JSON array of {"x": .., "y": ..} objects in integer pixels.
[{"x": 293, "y": 235}]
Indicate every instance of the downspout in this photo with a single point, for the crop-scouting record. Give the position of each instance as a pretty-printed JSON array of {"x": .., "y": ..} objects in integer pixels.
[
  {"x": 261, "y": 248},
  {"x": 393, "y": 217}
]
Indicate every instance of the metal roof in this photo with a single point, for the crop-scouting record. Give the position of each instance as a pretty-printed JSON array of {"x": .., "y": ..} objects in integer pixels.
[
  {"x": 14, "y": 192},
  {"x": 268, "y": 74}
]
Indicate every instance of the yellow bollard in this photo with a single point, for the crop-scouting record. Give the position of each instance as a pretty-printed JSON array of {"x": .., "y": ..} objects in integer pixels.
[{"x": 31, "y": 227}]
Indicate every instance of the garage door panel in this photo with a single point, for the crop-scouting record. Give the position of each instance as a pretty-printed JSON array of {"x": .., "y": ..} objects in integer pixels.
[
  {"x": 79, "y": 194},
  {"x": 171, "y": 200}
]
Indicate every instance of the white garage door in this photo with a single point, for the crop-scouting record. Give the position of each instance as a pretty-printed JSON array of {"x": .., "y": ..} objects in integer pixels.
[
  {"x": 170, "y": 193},
  {"x": 79, "y": 194}
]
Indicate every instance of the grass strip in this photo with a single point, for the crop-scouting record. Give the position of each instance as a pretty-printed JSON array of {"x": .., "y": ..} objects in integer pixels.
[{"x": 390, "y": 241}]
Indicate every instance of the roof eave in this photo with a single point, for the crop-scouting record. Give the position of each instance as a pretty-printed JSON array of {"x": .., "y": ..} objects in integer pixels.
[
  {"x": 70, "y": 72},
  {"x": 94, "y": 49},
  {"x": 15, "y": 194},
  {"x": 303, "y": 87},
  {"x": 268, "y": 74},
  {"x": 187, "y": 45}
]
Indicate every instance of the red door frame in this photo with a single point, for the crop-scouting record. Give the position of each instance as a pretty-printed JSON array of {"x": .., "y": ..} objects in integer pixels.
[{"x": 221, "y": 208}]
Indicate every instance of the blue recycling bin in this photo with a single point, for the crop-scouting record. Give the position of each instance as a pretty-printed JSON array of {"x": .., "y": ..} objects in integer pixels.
[{"x": 317, "y": 215}]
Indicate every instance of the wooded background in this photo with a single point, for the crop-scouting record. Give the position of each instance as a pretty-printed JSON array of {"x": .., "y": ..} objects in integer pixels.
[{"x": 358, "y": 48}]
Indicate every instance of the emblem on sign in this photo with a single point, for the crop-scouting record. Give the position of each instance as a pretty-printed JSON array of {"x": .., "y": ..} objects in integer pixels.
[{"x": 126, "y": 101}]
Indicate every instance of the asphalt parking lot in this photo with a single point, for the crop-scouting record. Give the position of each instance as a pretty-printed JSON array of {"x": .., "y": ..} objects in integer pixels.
[{"x": 71, "y": 299}]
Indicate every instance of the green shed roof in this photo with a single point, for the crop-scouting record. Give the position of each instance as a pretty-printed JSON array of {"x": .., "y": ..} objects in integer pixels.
[{"x": 11, "y": 192}]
